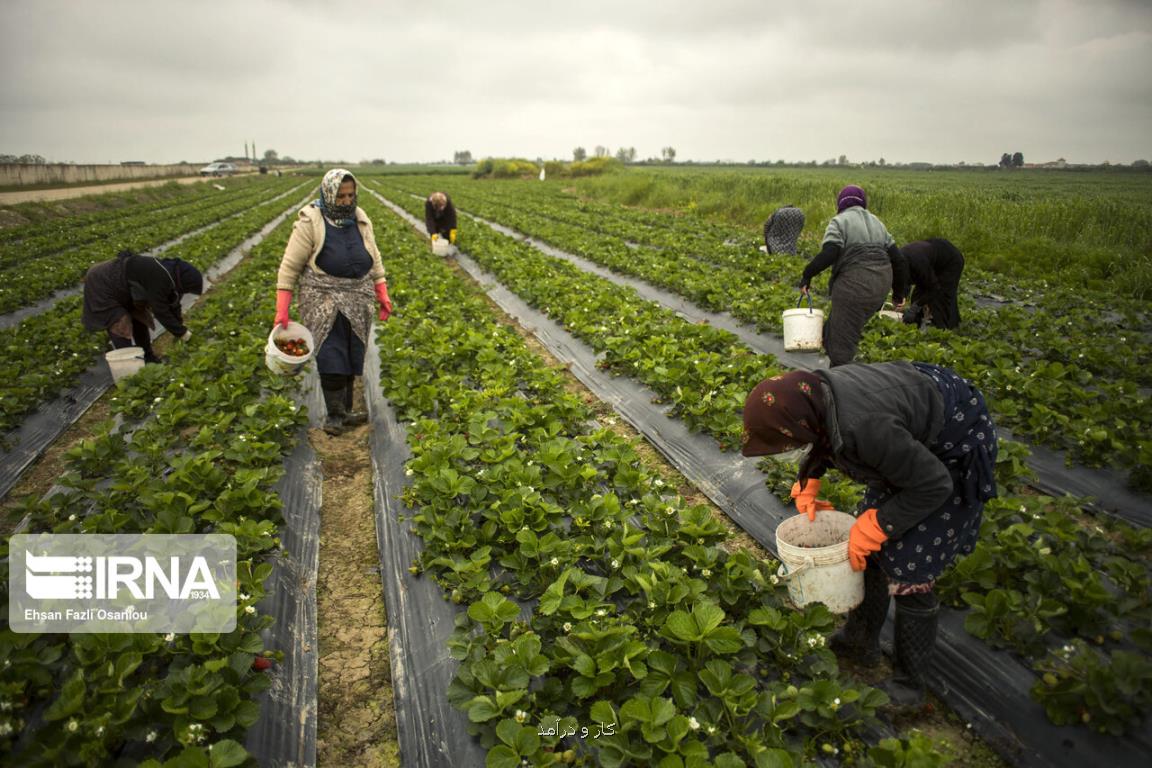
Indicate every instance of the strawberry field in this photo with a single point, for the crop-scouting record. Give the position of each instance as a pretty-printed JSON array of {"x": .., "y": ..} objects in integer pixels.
[{"x": 584, "y": 610}]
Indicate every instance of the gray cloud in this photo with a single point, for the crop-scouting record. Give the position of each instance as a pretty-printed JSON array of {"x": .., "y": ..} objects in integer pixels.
[{"x": 728, "y": 79}]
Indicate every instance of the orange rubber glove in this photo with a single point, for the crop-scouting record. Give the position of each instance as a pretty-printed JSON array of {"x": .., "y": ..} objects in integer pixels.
[
  {"x": 385, "y": 302},
  {"x": 283, "y": 301},
  {"x": 864, "y": 538},
  {"x": 806, "y": 501}
]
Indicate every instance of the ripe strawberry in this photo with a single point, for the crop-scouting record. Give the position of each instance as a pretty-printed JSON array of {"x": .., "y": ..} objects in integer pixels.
[{"x": 261, "y": 663}]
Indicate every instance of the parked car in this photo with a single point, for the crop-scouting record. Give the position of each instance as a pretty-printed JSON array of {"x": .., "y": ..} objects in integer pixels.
[{"x": 218, "y": 169}]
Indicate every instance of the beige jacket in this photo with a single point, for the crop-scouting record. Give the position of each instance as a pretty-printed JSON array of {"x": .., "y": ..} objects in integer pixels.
[{"x": 308, "y": 238}]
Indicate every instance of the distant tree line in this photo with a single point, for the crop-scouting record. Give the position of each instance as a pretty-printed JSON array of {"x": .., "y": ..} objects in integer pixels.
[
  {"x": 623, "y": 154},
  {"x": 1014, "y": 160},
  {"x": 23, "y": 160}
]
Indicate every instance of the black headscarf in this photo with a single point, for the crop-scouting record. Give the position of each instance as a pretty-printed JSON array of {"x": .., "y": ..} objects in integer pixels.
[{"x": 185, "y": 277}]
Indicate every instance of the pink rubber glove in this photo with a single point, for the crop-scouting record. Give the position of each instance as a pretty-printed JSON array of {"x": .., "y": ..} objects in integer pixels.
[
  {"x": 283, "y": 301},
  {"x": 385, "y": 302}
]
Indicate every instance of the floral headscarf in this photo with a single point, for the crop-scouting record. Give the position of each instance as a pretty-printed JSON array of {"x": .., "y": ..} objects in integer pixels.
[
  {"x": 782, "y": 413},
  {"x": 339, "y": 215}
]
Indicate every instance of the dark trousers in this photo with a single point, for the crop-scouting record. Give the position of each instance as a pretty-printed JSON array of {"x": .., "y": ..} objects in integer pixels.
[
  {"x": 141, "y": 337},
  {"x": 944, "y": 304},
  {"x": 857, "y": 294}
]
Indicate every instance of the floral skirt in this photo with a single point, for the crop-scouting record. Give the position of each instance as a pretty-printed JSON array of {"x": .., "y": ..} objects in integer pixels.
[
  {"x": 967, "y": 447},
  {"x": 339, "y": 312}
]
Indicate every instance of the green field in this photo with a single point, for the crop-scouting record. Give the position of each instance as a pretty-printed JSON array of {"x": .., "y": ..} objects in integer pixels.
[{"x": 1091, "y": 228}]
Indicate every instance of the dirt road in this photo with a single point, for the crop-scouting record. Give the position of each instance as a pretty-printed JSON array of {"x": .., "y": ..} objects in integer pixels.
[{"x": 37, "y": 195}]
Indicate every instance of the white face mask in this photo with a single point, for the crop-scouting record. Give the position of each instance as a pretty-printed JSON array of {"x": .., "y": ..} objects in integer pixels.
[{"x": 795, "y": 455}]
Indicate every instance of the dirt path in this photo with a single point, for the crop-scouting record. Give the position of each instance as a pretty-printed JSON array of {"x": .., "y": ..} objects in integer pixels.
[
  {"x": 356, "y": 715},
  {"x": 63, "y": 193}
]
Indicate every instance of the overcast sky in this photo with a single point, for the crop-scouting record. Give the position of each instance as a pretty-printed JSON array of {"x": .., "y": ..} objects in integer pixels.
[{"x": 906, "y": 80}]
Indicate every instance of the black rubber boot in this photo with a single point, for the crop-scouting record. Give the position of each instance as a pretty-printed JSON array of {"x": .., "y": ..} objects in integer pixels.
[
  {"x": 142, "y": 336},
  {"x": 858, "y": 641},
  {"x": 915, "y": 642},
  {"x": 334, "y": 402},
  {"x": 352, "y": 418}
]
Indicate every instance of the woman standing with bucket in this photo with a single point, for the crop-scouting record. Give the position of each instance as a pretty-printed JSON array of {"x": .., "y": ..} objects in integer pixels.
[
  {"x": 865, "y": 263},
  {"x": 332, "y": 254},
  {"x": 921, "y": 437}
]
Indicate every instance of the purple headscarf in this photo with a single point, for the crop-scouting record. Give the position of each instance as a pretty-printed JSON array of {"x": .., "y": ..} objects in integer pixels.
[{"x": 849, "y": 196}]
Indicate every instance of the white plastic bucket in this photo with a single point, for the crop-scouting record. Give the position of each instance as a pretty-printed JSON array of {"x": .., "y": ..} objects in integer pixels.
[
  {"x": 441, "y": 247},
  {"x": 124, "y": 362},
  {"x": 814, "y": 557},
  {"x": 890, "y": 312},
  {"x": 803, "y": 328},
  {"x": 281, "y": 362}
]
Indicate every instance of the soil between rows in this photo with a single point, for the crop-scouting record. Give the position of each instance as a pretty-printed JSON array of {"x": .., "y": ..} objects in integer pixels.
[{"x": 356, "y": 717}]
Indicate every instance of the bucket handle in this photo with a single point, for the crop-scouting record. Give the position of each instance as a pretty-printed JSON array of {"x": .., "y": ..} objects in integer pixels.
[
  {"x": 786, "y": 576},
  {"x": 800, "y": 298}
]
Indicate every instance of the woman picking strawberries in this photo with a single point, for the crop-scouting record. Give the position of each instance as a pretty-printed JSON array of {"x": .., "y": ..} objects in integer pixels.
[{"x": 921, "y": 438}]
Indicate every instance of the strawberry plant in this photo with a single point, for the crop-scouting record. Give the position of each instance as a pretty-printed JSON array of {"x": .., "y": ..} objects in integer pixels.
[
  {"x": 596, "y": 598},
  {"x": 1037, "y": 537},
  {"x": 1042, "y": 367},
  {"x": 197, "y": 446},
  {"x": 57, "y": 336},
  {"x": 30, "y": 279},
  {"x": 1110, "y": 692}
]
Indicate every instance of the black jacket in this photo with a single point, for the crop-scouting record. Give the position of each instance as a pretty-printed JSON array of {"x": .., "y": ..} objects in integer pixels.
[
  {"x": 935, "y": 267},
  {"x": 881, "y": 419},
  {"x": 439, "y": 222},
  {"x": 116, "y": 287}
]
